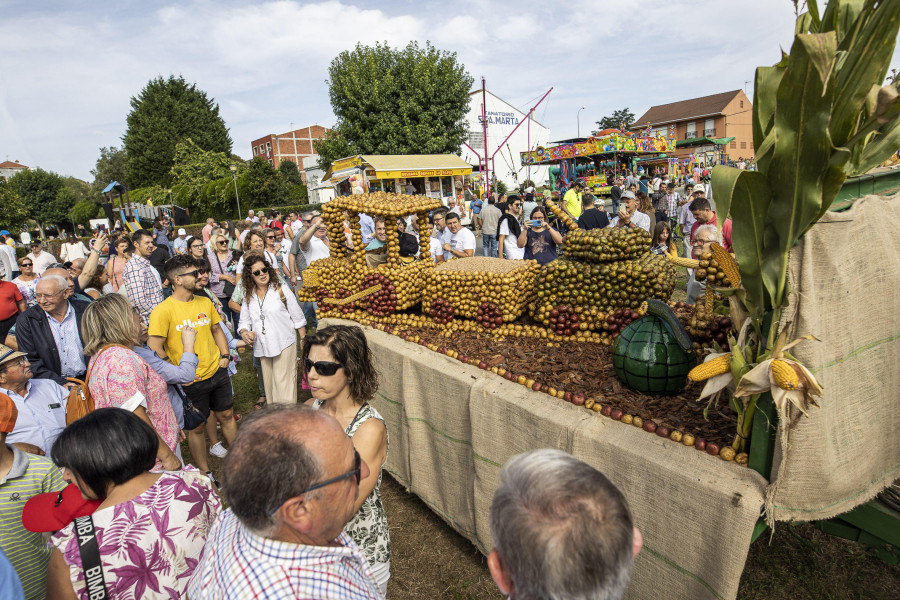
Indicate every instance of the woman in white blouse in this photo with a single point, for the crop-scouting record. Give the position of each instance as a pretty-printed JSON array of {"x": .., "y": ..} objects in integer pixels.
[{"x": 269, "y": 315}]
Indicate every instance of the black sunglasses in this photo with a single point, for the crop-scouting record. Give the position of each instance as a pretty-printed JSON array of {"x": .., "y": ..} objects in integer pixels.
[
  {"x": 270, "y": 237},
  {"x": 323, "y": 368},
  {"x": 259, "y": 272},
  {"x": 355, "y": 472},
  {"x": 25, "y": 264},
  {"x": 190, "y": 273},
  {"x": 222, "y": 243}
]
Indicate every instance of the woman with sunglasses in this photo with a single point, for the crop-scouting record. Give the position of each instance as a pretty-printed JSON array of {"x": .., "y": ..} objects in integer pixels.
[
  {"x": 509, "y": 230},
  {"x": 270, "y": 314},
  {"x": 271, "y": 251},
  {"x": 221, "y": 281},
  {"x": 343, "y": 379},
  {"x": 27, "y": 280}
]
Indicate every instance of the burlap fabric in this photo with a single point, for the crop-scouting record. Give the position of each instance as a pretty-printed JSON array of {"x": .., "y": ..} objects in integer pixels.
[
  {"x": 453, "y": 426},
  {"x": 845, "y": 279}
]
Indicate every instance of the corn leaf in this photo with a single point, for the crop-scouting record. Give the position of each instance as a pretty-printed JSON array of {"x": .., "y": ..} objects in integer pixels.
[
  {"x": 802, "y": 150},
  {"x": 745, "y": 195},
  {"x": 765, "y": 90},
  {"x": 867, "y": 61},
  {"x": 840, "y": 15}
]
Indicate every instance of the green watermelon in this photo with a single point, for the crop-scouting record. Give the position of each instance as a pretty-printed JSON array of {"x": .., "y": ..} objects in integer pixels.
[{"x": 649, "y": 355}]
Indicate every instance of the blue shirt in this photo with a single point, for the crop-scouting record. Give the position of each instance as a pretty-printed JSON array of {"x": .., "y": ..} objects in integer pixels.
[
  {"x": 42, "y": 413},
  {"x": 366, "y": 227},
  {"x": 68, "y": 343},
  {"x": 174, "y": 375},
  {"x": 10, "y": 586}
]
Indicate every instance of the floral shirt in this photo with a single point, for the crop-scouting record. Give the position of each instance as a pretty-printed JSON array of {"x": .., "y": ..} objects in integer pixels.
[
  {"x": 117, "y": 375},
  {"x": 26, "y": 288},
  {"x": 151, "y": 544},
  {"x": 369, "y": 527}
]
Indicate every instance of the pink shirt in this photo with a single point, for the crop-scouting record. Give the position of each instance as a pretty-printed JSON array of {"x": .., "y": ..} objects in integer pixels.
[
  {"x": 117, "y": 375},
  {"x": 206, "y": 232}
]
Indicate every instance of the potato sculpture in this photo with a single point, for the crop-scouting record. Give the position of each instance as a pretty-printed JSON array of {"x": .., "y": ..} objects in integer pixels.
[{"x": 470, "y": 284}]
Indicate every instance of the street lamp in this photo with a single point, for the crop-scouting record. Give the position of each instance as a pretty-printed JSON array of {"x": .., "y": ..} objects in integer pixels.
[
  {"x": 234, "y": 177},
  {"x": 578, "y": 116}
]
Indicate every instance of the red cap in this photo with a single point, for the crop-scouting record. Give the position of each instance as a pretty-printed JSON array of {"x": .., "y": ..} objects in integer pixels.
[
  {"x": 53, "y": 511},
  {"x": 8, "y": 414}
]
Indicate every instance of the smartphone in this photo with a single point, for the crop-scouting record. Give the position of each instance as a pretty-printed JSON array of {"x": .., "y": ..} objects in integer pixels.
[{"x": 536, "y": 223}]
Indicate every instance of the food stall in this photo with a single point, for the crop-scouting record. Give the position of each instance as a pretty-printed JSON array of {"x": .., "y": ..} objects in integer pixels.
[
  {"x": 598, "y": 159},
  {"x": 430, "y": 175}
]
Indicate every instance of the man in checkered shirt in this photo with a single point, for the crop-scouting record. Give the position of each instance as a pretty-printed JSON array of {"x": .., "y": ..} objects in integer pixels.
[{"x": 291, "y": 479}]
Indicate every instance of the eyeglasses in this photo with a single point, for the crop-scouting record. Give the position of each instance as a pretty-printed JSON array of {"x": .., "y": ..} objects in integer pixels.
[
  {"x": 323, "y": 368},
  {"x": 190, "y": 273},
  {"x": 222, "y": 243},
  {"x": 47, "y": 296},
  {"x": 17, "y": 363},
  {"x": 270, "y": 237},
  {"x": 701, "y": 242},
  {"x": 356, "y": 471},
  {"x": 259, "y": 272},
  {"x": 25, "y": 264},
  {"x": 196, "y": 245}
]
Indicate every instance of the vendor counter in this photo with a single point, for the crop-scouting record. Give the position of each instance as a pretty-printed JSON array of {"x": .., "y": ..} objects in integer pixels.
[{"x": 452, "y": 426}]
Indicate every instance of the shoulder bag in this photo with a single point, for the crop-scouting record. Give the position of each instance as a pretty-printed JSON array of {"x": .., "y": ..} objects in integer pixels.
[
  {"x": 228, "y": 288},
  {"x": 80, "y": 401}
]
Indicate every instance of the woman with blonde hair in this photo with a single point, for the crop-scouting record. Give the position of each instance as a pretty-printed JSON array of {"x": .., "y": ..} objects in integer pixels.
[{"x": 118, "y": 377}]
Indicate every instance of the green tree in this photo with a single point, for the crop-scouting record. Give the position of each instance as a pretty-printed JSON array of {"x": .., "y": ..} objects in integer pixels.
[
  {"x": 396, "y": 101},
  {"x": 14, "y": 211},
  {"x": 290, "y": 172},
  {"x": 166, "y": 112},
  {"x": 84, "y": 211},
  {"x": 110, "y": 167},
  {"x": 39, "y": 191},
  {"x": 194, "y": 167},
  {"x": 620, "y": 119},
  {"x": 265, "y": 187}
]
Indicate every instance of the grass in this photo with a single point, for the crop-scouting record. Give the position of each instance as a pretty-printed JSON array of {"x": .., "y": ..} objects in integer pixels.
[{"x": 430, "y": 560}]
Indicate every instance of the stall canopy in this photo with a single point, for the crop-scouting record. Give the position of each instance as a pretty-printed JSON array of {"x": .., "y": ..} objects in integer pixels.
[
  {"x": 397, "y": 166},
  {"x": 702, "y": 141}
]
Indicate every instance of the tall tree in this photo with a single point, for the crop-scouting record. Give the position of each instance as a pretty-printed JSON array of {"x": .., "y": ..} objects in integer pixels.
[
  {"x": 39, "y": 191},
  {"x": 620, "y": 119},
  {"x": 110, "y": 167},
  {"x": 396, "y": 101},
  {"x": 265, "y": 186},
  {"x": 166, "y": 112},
  {"x": 14, "y": 211},
  {"x": 290, "y": 172}
]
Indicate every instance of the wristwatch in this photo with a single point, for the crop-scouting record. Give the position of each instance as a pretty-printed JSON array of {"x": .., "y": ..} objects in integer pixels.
[{"x": 228, "y": 356}]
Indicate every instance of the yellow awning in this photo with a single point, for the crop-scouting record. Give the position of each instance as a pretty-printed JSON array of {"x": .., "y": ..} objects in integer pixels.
[{"x": 416, "y": 165}]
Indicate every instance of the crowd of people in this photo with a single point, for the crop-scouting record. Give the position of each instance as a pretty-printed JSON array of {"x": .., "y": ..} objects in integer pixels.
[{"x": 150, "y": 326}]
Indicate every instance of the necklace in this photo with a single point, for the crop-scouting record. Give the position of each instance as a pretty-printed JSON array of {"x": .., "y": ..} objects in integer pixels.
[{"x": 262, "y": 316}]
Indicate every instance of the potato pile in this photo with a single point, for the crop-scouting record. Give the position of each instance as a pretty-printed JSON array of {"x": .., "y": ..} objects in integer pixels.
[
  {"x": 467, "y": 283},
  {"x": 329, "y": 274},
  {"x": 604, "y": 245},
  {"x": 595, "y": 290}
]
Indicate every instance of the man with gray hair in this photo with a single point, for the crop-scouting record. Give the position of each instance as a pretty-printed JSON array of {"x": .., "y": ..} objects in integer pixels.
[
  {"x": 561, "y": 529},
  {"x": 49, "y": 332},
  {"x": 282, "y": 535},
  {"x": 704, "y": 237}
]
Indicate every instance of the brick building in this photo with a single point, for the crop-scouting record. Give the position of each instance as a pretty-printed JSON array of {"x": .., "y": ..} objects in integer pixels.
[
  {"x": 718, "y": 116},
  {"x": 293, "y": 146}
]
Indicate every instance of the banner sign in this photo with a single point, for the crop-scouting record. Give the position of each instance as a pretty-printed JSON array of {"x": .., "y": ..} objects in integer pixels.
[{"x": 612, "y": 143}]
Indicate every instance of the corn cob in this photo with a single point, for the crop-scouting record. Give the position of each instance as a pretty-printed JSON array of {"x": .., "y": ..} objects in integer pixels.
[
  {"x": 711, "y": 368},
  {"x": 709, "y": 299},
  {"x": 563, "y": 216},
  {"x": 727, "y": 264},
  {"x": 784, "y": 375},
  {"x": 690, "y": 263}
]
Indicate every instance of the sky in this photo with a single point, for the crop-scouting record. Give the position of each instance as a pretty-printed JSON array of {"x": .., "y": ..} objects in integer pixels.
[{"x": 69, "y": 70}]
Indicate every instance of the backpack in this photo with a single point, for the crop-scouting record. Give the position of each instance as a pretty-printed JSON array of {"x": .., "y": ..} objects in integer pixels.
[{"x": 80, "y": 400}]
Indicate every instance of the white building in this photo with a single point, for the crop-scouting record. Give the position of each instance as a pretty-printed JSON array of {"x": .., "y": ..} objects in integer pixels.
[
  {"x": 502, "y": 119},
  {"x": 9, "y": 168},
  {"x": 313, "y": 176}
]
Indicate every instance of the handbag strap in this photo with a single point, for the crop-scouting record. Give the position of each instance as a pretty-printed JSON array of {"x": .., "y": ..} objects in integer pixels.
[
  {"x": 87, "y": 377},
  {"x": 95, "y": 584}
]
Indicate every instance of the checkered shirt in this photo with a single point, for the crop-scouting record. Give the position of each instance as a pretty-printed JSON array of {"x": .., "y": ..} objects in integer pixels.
[
  {"x": 142, "y": 284},
  {"x": 239, "y": 564}
]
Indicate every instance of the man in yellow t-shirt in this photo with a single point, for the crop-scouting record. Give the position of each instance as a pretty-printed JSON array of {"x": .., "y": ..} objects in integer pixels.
[
  {"x": 572, "y": 199},
  {"x": 211, "y": 389}
]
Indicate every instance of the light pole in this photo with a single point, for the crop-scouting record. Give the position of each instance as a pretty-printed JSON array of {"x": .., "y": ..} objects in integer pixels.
[
  {"x": 578, "y": 117},
  {"x": 234, "y": 177}
]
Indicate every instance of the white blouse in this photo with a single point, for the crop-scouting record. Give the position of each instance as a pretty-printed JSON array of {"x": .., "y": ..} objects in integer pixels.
[{"x": 273, "y": 324}]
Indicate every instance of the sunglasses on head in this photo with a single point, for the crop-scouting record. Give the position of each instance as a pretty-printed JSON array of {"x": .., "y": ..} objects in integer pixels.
[{"x": 324, "y": 368}]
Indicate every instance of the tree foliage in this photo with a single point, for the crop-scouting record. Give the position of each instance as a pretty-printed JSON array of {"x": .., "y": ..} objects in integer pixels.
[
  {"x": 620, "y": 119},
  {"x": 265, "y": 186},
  {"x": 84, "y": 211},
  {"x": 290, "y": 172},
  {"x": 194, "y": 166},
  {"x": 39, "y": 191},
  {"x": 167, "y": 112},
  {"x": 14, "y": 211},
  {"x": 110, "y": 167},
  {"x": 396, "y": 101}
]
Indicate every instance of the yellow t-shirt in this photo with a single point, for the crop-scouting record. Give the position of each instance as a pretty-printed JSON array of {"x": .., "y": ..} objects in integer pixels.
[
  {"x": 572, "y": 200},
  {"x": 169, "y": 317}
]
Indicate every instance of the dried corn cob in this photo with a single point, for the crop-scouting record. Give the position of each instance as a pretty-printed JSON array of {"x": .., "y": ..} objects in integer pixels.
[
  {"x": 711, "y": 368},
  {"x": 690, "y": 263},
  {"x": 784, "y": 375},
  {"x": 727, "y": 264}
]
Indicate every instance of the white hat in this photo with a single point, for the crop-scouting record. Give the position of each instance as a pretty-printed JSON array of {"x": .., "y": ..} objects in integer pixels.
[
  {"x": 182, "y": 232},
  {"x": 627, "y": 194}
]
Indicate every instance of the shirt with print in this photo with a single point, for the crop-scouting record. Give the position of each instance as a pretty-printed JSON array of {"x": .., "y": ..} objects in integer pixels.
[
  {"x": 149, "y": 545},
  {"x": 167, "y": 321},
  {"x": 29, "y": 554}
]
